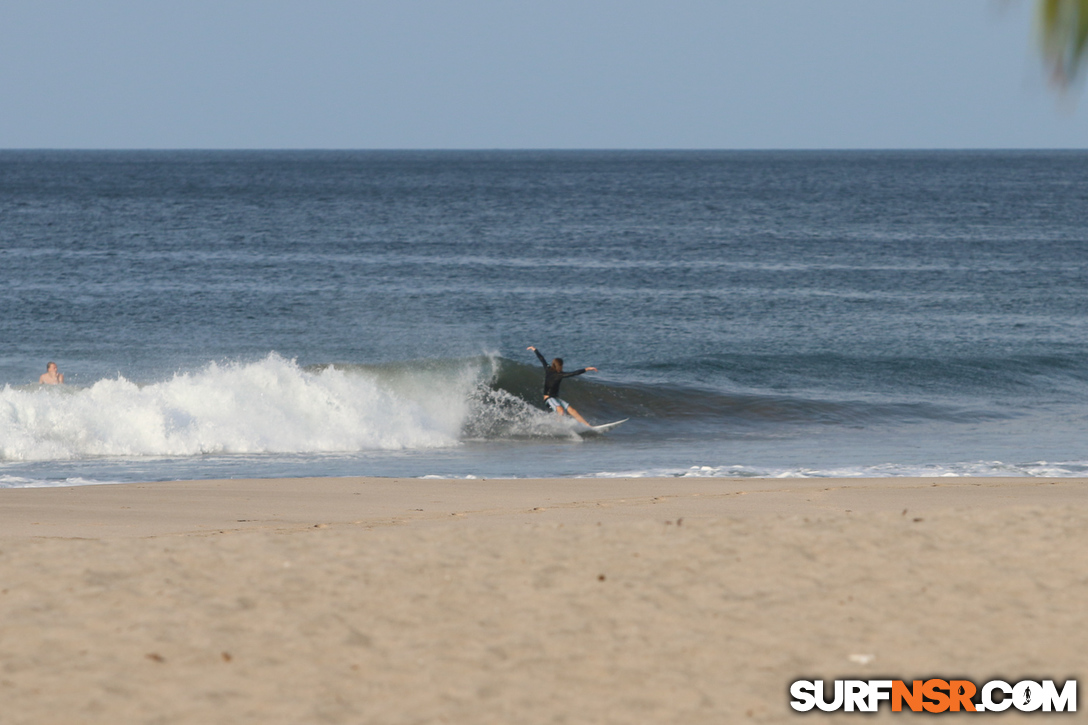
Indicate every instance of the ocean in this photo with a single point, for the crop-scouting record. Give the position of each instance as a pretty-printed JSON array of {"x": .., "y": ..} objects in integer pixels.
[{"x": 281, "y": 314}]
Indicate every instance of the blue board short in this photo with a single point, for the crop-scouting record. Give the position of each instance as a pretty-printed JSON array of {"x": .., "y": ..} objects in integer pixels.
[{"x": 557, "y": 403}]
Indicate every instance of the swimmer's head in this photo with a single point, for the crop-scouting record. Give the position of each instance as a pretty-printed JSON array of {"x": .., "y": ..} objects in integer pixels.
[
  {"x": 557, "y": 364},
  {"x": 50, "y": 367}
]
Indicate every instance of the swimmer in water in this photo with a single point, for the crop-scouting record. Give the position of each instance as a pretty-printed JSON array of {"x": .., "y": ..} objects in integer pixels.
[
  {"x": 51, "y": 376},
  {"x": 553, "y": 375}
]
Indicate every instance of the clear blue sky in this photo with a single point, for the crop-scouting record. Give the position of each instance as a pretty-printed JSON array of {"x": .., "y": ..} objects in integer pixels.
[{"x": 731, "y": 74}]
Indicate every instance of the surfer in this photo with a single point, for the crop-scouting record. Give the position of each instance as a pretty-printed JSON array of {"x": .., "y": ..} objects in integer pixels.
[
  {"x": 553, "y": 375},
  {"x": 51, "y": 376}
]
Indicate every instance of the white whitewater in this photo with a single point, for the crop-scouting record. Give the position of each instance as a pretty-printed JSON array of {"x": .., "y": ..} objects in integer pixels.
[{"x": 270, "y": 406}]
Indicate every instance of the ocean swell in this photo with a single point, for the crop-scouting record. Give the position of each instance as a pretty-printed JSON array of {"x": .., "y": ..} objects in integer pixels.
[{"x": 275, "y": 406}]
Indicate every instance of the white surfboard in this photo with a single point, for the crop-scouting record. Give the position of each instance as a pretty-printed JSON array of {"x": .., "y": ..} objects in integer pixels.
[{"x": 603, "y": 428}]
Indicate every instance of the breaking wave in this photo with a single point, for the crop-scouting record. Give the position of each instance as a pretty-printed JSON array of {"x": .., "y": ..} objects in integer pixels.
[
  {"x": 276, "y": 406},
  {"x": 269, "y": 406}
]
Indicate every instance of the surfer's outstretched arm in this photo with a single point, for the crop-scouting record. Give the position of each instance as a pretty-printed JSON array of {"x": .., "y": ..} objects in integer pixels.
[{"x": 538, "y": 356}]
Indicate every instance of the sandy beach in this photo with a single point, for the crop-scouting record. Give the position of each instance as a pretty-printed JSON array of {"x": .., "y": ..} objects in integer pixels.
[{"x": 357, "y": 600}]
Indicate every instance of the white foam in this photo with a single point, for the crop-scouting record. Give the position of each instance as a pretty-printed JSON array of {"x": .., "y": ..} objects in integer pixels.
[
  {"x": 884, "y": 470},
  {"x": 24, "y": 482},
  {"x": 270, "y": 406}
]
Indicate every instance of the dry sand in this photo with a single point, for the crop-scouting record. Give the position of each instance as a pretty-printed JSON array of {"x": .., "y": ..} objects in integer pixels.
[{"x": 528, "y": 601}]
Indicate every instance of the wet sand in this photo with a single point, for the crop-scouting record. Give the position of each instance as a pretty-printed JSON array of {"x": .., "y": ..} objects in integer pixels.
[{"x": 530, "y": 601}]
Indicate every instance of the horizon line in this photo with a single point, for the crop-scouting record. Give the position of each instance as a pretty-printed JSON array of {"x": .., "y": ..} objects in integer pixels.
[{"x": 530, "y": 149}]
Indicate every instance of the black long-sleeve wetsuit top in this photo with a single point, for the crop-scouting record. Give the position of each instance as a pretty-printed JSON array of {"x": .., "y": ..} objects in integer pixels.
[{"x": 552, "y": 378}]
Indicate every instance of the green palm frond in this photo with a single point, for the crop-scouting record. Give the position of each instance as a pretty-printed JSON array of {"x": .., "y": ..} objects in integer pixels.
[{"x": 1064, "y": 27}]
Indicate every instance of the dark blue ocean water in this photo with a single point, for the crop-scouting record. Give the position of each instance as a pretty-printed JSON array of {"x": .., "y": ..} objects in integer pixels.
[{"x": 367, "y": 313}]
